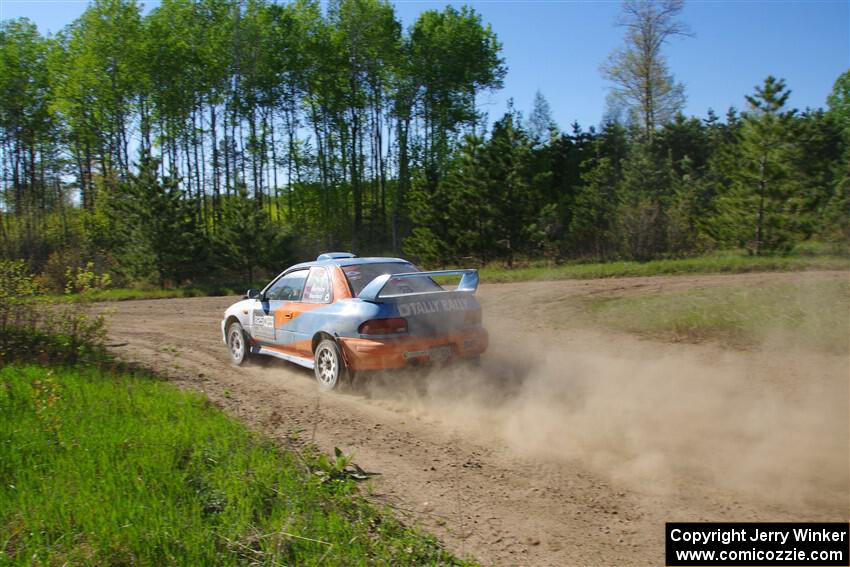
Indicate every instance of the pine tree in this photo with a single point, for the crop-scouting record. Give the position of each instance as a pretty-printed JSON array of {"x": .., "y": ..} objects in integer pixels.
[
  {"x": 247, "y": 239},
  {"x": 591, "y": 215},
  {"x": 683, "y": 209},
  {"x": 836, "y": 212},
  {"x": 429, "y": 240},
  {"x": 591, "y": 228},
  {"x": 839, "y": 100},
  {"x": 471, "y": 208},
  {"x": 756, "y": 212},
  {"x": 158, "y": 227},
  {"x": 644, "y": 194},
  {"x": 513, "y": 188}
]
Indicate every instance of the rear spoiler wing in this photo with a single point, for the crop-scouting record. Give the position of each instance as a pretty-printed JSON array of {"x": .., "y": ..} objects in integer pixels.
[{"x": 372, "y": 291}]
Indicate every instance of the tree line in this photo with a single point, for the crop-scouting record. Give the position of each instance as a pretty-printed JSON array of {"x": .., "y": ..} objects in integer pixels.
[
  {"x": 209, "y": 139},
  {"x": 763, "y": 180},
  {"x": 318, "y": 118}
]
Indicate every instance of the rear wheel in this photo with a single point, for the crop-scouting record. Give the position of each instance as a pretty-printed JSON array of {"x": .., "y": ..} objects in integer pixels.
[
  {"x": 237, "y": 344},
  {"x": 329, "y": 365}
]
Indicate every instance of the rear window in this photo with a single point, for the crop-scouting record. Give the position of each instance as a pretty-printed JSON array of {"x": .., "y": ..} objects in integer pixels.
[{"x": 360, "y": 275}]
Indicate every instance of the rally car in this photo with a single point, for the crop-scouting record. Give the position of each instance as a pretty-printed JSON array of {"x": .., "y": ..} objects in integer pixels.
[{"x": 342, "y": 314}]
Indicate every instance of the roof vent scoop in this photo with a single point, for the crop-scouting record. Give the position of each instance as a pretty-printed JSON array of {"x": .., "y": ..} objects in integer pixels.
[{"x": 335, "y": 256}]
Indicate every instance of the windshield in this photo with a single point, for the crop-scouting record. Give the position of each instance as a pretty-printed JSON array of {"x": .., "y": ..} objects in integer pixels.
[{"x": 359, "y": 276}]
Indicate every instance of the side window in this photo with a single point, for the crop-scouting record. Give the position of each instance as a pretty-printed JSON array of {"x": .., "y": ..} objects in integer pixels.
[
  {"x": 287, "y": 288},
  {"x": 318, "y": 287}
]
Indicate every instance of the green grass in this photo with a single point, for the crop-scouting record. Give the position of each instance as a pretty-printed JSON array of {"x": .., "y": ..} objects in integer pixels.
[
  {"x": 720, "y": 264},
  {"x": 126, "y": 294},
  {"x": 809, "y": 314},
  {"x": 99, "y": 468}
]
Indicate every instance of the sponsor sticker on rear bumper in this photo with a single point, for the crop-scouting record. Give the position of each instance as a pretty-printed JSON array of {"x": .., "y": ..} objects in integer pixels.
[
  {"x": 440, "y": 354},
  {"x": 435, "y": 354}
]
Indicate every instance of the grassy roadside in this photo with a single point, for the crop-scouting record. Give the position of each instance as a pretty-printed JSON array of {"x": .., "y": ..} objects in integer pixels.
[
  {"x": 720, "y": 264},
  {"x": 104, "y": 468},
  {"x": 127, "y": 294},
  {"x": 813, "y": 315}
]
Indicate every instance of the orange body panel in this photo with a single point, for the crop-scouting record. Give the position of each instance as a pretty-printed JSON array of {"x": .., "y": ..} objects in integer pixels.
[
  {"x": 384, "y": 354},
  {"x": 298, "y": 348},
  {"x": 340, "y": 285},
  {"x": 286, "y": 313}
]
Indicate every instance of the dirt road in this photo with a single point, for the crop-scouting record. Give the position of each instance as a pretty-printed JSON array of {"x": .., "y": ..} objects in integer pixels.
[{"x": 570, "y": 445}]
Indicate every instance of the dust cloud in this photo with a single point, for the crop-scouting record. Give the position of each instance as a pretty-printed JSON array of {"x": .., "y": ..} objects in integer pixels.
[{"x": 660, "y": 418}]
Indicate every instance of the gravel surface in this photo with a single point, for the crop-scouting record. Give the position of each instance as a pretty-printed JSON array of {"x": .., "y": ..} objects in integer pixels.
[{"x": 568, "y": 445}]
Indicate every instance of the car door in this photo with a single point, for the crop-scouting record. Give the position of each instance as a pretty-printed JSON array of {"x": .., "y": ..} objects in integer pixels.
[
  {"x": 269, "y": 320},
  {"x": 303, "y": 320}
]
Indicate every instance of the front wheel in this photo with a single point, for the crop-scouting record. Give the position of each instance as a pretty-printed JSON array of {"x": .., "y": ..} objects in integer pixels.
[
  {"x": 329, "y": 365},
  {"x": 237, "y": 344}
]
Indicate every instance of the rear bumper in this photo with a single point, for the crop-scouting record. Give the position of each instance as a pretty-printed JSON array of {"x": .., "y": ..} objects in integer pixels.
[{"x": 369, "y": 354}]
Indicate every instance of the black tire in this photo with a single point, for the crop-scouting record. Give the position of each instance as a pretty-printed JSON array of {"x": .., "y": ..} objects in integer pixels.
[
  {"x": 237, "y": 344},
  {"x": 329, "y": 366}
]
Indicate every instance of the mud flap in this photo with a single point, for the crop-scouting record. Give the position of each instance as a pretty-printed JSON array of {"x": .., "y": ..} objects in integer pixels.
[{"x": 349, "y": 372}]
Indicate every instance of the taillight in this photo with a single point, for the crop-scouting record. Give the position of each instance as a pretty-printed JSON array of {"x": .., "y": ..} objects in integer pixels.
[
  {"x": 472, "y": 317},
  {"x": 393, "y": 326}
]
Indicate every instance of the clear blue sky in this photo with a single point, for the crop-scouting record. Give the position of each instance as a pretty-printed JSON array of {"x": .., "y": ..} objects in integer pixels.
[{"x": 557, "y": 46}]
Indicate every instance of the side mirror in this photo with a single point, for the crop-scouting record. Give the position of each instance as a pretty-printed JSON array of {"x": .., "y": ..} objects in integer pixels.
[{"x": 253, "y": 294}]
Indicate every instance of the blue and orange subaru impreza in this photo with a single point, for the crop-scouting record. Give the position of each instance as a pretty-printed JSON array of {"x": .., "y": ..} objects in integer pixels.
[{"x": 342, "y": 314}]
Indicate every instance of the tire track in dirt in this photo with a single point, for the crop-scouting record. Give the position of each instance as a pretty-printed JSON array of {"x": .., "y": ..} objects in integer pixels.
[{"x": 555, "y": 452}]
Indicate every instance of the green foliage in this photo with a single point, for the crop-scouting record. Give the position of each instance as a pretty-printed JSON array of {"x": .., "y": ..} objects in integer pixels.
[
  {"x": 34, "y": 326},
  {"x": 264, "y": 132},
  {"x": 448, "y": 83},
  {"x": 645, "y": 191},
  {"x": 175, "y": 480},
  {"x": 486, "y": 206},
  {"x": 594, "y": 210},
  {"x": 30, "y": 139},
  {"x": 514, "y": 186},
  {"x": 758, "y": 209},
  {"x": 836, "y": 220},
  {"x": 247, "y": 239},
  {"x": 683, "y": 211},
  {"x": 126, "y": 294},
  {"x": 95, "y": 81},
  {"x": 839, "y": 99},
  {"x": 590, "y": 205},
  {"x": 429, "y": 240},
  {"x": 158, "y": 233},
  {"x": 338, "y": 469},
  {"x": 472, "y": 225},
  {"x": 84, "y": 281}
]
